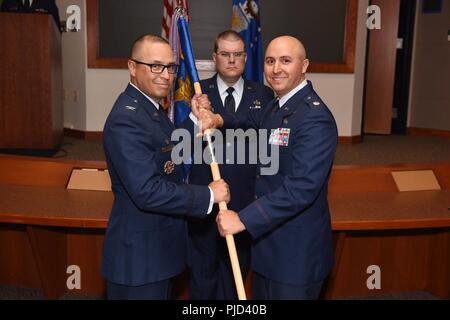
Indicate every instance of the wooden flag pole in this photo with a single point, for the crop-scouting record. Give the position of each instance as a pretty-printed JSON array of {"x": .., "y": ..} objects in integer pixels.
[
  {"x": 223, "y": 206},
  {"x": 186, "y": 46}
]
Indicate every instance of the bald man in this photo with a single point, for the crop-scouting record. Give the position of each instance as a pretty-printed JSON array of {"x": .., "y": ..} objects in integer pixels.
[
  {"x": 146, "y": 239},
  {"x": 289, "y": 221}
]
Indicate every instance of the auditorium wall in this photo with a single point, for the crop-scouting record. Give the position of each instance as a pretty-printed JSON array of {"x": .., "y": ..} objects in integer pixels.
[
  {"x": 74, "y": 70},
  {"x": 98, "y": 88}
]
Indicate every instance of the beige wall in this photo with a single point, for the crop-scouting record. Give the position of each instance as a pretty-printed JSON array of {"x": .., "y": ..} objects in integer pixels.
[
  {"x": 100, "y": 87},
  {"x": 103, "y": 87},
  {"x": 430, "y": 82},
  {"x": 74, "y": 70}
]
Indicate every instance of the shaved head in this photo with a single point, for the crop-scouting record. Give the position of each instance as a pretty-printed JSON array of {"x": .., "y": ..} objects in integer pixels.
[
  {"x": 138, "y": 45},
  {"x": 285, "y": 64},
  {"x": 289, "y": 41}
]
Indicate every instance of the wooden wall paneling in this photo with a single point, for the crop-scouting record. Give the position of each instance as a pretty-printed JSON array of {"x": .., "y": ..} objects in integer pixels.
[
  {"x": 401, "y": 255},
  {"x": 17, "y": 264},
  {"x": 428, "y": 132},
  {"x": 439, "y": 264},
  {"x": 84, "y": 249},
  {"x": 50, "y": 251},
  {"x": 381, "y": 70},
  {"x": 94, "y": 59}
]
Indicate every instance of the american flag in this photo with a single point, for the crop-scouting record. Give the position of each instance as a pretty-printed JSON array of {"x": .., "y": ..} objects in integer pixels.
[{"x": 169, "y": 7}]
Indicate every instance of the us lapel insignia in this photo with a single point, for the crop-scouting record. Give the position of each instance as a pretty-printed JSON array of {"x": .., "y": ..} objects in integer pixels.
[
  {"x": 256, "y": 104},
  {"x": 168, "y": 167},
  {"x": 130, "y": 108}
]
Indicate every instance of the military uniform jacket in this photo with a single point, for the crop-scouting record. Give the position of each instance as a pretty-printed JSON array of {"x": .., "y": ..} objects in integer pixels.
[
  {"x": 146, "y": 238},
  {"x": 240, "y": 177},
  {"x": 290, "y": 220}
]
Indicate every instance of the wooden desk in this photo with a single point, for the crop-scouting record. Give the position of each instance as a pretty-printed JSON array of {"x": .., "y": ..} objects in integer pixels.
[
  {"x": 47, "y": 229},
  {"x": 66, "y": 227},
  {"x": 44, "y": 228},
  {"x": 57, "y": 207},
  {"x": 387, "y": 210},
  {"x": 406, "y": 234}
]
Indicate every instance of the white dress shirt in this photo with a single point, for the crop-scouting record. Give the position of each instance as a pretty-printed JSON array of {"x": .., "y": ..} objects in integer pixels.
[
  {"x": 237, "y": 93},
  {"x": 291, "y": 93}
]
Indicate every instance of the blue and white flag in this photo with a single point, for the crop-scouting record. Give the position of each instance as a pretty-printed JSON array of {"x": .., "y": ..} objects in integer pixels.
[
  {"x": 245, "y": 20},
  {"x": 180, "y": 41}
]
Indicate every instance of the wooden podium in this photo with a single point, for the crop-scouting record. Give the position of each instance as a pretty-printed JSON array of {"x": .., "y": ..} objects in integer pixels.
[{"x": 31, "y": 106}]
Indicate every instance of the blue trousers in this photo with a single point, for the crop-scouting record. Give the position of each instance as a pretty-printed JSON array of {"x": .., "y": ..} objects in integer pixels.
[
  {"x": 211, "y": 274},
  {"x": 266, "y": 289},
  {"x": 152, "y": 291}
]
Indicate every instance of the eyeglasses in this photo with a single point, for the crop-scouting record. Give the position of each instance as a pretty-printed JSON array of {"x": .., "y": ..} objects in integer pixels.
[
  {"x": 158, "y": 67},
  {"x": 227, "y": 55}
]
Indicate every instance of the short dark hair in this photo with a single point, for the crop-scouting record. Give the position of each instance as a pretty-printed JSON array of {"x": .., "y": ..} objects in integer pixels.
[
  {"x": 227, "y": 35},
  {"x": 144, "y": 38}
]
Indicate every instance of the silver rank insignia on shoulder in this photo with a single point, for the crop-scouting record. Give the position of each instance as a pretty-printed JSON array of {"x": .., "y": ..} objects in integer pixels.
[
  {"x": 130, "y": 108},
  {"x": 256, "y": 104},
  {"x": 169, "y": 166},
  {"x": 316, "y": 103}
]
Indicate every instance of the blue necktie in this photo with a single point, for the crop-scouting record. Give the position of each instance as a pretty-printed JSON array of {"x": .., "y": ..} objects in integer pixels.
[{"x": 230, "y": 105}]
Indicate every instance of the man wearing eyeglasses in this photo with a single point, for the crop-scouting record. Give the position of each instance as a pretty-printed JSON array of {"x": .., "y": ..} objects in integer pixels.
[
  {"x": 145, "y": 242},
  {"x": 211, "y": 274}
]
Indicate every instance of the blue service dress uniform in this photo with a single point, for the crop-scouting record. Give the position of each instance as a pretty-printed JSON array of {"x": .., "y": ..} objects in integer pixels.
[
  {"x": 146, "y": 238},
  {"x": 290, "y": 220},
  {"x": 211, "y": 274}
]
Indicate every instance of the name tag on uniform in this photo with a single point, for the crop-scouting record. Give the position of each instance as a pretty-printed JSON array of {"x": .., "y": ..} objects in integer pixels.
[{"x": 280, "y": 137}]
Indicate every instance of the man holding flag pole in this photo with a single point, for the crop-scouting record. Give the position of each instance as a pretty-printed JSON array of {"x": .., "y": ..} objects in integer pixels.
[
  {"x": 229, "y": 92},
  {"x": 290, "y": 223},
  {"x": 180, "y": 38},
  {"x": 145, "y": 242}
]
